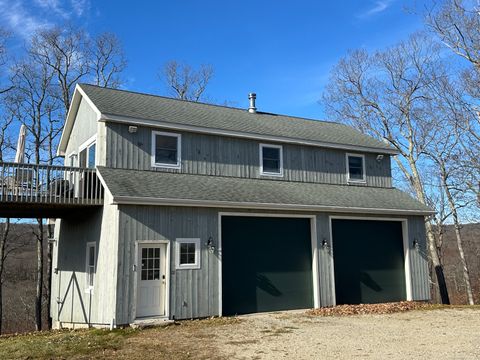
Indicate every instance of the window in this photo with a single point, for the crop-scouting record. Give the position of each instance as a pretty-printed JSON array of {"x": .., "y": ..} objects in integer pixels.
[
  {"x": 150, "y": 263},
  {"x": 271, "y": 160},
  {"x": 166, "y": 149},
  {"x": 90, "y": 265},
  {"x": 86, "y": 157},
  {"x": 355, "y": 168},
  {"x": 187, "y": 253}
]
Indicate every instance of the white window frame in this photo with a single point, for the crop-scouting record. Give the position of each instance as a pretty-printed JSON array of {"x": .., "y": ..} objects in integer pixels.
[
  {"x": 363, "y": 180},
  {"x": 87, "y": 145},
  {"x": 89, "y": 245},
  {"x": 267, "y": 173},
  {"x": 195, "y": 241},
  {"x": 179, "y": 150}
]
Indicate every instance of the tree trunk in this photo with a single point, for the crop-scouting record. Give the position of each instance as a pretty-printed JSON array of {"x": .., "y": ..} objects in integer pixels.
[
  {"x": 458, "y": 235},
  {"x": 49, "y": 275},
  {"x": 440, "y": 283},
  {"x": 3, "y": 242},
  {"x": 38, "y": 297}
]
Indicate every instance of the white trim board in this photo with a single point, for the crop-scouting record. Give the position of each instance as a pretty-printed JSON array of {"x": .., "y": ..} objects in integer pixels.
[
  {"x": 131, "y": 200},
  {"x": 314, "y": 247},
  {"x": 406, "y": 249}
]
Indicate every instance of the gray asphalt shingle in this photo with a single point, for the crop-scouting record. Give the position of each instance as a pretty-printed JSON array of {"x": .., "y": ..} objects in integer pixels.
[
  {"x": 171, "y": 186},
  {"x": 157, "y": 108}
]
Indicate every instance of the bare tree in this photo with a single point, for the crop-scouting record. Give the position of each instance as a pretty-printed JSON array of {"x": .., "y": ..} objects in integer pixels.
[
  {"x": 66, "y": 53},
  {"x": 107, "y": 60},
  {"x": 457, "y": 25},
  {"x": 4, "y": 231},
  {"x": 33, "y": 101},
  {"x": 184, "y": 82},
  {"x": 387, "y": 95}
]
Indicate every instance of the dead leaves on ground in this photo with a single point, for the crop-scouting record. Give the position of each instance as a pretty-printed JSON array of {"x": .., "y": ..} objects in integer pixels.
[{"x": 364, "y": 309}]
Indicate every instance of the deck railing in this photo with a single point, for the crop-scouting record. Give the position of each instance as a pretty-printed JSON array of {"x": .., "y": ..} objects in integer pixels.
[{"x": 30, "y": 183}]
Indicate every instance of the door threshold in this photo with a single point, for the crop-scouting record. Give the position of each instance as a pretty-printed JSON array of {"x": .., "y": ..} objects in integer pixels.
[{"x": 151, "y": 321}]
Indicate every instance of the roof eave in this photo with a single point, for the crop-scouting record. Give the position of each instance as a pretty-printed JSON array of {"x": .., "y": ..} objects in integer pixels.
[
  {"x": 175, "y": 126},
  {"x": 133, "y": 200},
  {"x": 78, "y": 95}
]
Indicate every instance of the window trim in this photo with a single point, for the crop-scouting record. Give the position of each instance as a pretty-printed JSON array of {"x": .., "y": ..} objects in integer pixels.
[
  {"x": 179, "y": 150},
  {"x": 86, "y": 146},
  {"x": 195, "y": 241},
  {"x": 363, "y": 180},
  {"x": 89, "y": 288},
  {"x": 266, "y": 173}
]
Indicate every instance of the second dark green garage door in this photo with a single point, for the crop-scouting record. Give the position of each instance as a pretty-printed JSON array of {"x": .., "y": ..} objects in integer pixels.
[
  {"x": 266, "y": 264},
  {"x": 369, "y": 261}
]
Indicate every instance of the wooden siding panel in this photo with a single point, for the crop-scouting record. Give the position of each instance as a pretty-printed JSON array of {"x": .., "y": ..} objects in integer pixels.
[
  {"x": 224, "y": 156},
  {"x": 418, "y": 258},
  {"x": 69, "y": 283}
]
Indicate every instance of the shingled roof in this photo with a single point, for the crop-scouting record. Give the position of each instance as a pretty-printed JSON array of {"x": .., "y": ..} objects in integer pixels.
[
  {"x": 161, "y": 188},
  {"x": 114, "y": 104}
]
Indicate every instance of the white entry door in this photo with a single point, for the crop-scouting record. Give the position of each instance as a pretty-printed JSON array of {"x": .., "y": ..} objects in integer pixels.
[{"x": 151, "y": 272}]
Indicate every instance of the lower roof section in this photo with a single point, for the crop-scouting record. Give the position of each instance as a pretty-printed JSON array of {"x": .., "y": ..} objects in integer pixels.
[{"x": 162, "y": 188}]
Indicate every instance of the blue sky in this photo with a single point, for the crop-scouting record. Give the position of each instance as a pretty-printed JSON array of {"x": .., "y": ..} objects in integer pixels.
[{"x": 282, "y": 50}]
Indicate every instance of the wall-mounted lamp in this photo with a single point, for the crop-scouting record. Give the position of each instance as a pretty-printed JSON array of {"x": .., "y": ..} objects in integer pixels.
[
  {"x": 132, "y": 129},
  {"x": 415, "y": 243},
  {"x": 210, "y": 245},
  {"x": 324, "y": 243},
  {"x": 379, "y": 157}
]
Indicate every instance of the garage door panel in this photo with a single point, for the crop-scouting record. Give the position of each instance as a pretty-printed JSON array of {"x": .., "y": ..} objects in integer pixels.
[
  {"x": 369, "y": 261},
  {"x": 266, "y": 264}
]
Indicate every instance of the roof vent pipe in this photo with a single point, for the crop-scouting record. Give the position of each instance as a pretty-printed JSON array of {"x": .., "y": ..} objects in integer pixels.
[{"x": 252, "y": 109}]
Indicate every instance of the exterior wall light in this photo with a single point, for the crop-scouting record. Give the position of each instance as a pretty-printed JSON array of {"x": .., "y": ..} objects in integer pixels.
[
  {"x": 132, "y": 129},
  {"x": 379, "y": 157},
  {"x": 210, "y": 245},
  {"x": 324, "y": 243},
  {"x": 415, "y": 243}
]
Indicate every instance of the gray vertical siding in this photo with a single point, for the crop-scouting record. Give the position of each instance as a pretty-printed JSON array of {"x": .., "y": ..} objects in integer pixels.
[
  {"x": 193, "y": 293},
  {"x": 325, "y": 262},
  {"x": 84, "y": 127},
  {"x": 74, "y": 304},
  {"x": 418, "y": 258},
  {"x": 224, "y": 156}
]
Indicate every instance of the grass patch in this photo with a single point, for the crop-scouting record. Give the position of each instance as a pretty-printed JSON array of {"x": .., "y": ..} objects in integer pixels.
[{"x": 62, "y": 344}]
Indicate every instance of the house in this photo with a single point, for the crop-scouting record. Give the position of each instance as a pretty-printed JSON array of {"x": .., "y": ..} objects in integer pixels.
[{"x": 209, "y": 210}]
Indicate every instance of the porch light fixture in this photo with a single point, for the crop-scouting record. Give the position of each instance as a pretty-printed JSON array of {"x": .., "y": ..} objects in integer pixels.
[
  {"x": 379, "y": 157},
  {"x": 415, "y": 243},
  {"x": 132, "y": 129},
  {"x": 210, "y": 245},
  {"x": 324, "y": 243}
]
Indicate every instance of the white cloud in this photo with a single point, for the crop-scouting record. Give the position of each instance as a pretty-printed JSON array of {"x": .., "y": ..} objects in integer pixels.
[
  {"x": 19, "y": 20},
  {"x": 25, "y": 17},
  {"x": 80, "y": 6},
  {"x": 378, "y": 7}
]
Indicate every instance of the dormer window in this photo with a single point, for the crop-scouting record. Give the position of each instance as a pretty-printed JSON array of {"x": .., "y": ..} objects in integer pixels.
[
  {"x": 355, "y": 168},
  {"x": 271, "y": 160},
  {"x": 166, "y": 149}
]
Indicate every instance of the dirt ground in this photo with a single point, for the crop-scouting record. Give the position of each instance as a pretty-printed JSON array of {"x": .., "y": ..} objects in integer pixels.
[
  {"x": 419, "y": 334},
  {"x": 432, "y": 334}
]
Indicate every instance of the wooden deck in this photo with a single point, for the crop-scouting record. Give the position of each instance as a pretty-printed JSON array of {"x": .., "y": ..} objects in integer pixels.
[{"x": 33, "y": 191}]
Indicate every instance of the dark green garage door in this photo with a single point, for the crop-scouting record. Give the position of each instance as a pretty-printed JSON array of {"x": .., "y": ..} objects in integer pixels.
[
  {"x": 369, "y": 261},
  {"x": 266, "y": 263}
]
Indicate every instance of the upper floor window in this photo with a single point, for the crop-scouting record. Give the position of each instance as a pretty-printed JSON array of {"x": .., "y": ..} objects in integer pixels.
[
  {"x": 355, "y": 168},
  {"x": 271, "y": 160},
  {"x": 86, "y": 158},
  {"x": 166, "y": 149}
]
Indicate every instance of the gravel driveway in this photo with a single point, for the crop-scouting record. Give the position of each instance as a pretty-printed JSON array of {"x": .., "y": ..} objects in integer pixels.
[{"x": 432, "y": 334}]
